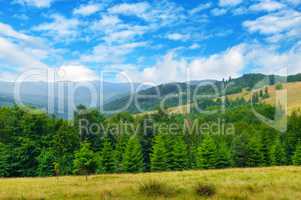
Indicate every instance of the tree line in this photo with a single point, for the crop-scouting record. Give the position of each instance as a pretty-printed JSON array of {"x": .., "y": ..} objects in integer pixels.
[{"x": 34, "y": 144}]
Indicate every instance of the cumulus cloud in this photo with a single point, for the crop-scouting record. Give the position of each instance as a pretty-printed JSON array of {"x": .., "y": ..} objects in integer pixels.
[
  {"x": 75, "y": 73},
  {"x": 86, "y": 10},
  {"x": 218, "y": 11},
  {"x": 267, "y": 5},
  {"x": 232, "y": 62}
]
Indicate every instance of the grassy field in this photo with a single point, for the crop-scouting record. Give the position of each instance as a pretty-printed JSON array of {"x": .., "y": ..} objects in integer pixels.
[{"x": 257, "y": 183}]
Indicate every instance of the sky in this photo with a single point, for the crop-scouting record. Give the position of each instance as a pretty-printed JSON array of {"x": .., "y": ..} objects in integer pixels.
[{"x": 148, "y": 41}]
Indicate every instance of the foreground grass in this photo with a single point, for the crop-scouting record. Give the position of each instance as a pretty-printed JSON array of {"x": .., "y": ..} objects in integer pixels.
[{"x": 257, "y": 183}]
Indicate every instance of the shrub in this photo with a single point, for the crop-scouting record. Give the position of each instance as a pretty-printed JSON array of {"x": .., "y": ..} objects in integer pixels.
[
  {"x": 155, "y": 188},
  {"x": 205, "y": 190}
]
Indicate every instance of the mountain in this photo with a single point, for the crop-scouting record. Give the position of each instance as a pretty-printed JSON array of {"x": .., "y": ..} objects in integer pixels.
[
  {"x": 172, "y": 92},
  {"x": 63, "y": 94}
]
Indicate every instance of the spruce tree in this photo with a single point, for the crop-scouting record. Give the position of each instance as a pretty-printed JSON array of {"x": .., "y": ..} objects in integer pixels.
[
  {"x": 239, "y": 150},
  {"x": 107, "y": 159},
  {"x": 118, "y": 153},
  {"x": 207, "y": 153},
  {"x": 159, "y": 155},
  {"x": 223, "y": 158},
  {"x": 84, "y": 162},
  {"x": 179, "y": 154},
  {"x": 277, "y": 154},
  {"x": 255, "y": 156},
  {"x": 133, "y": 158},
  {"x": 297, "y": 155},
  {"x": 4, "y": 160}
]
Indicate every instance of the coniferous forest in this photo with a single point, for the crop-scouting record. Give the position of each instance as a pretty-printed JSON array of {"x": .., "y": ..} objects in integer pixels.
[{"x": 36, "y": 144}]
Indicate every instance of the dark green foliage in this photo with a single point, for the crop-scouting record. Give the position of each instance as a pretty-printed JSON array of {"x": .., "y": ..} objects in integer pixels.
[
  {"x": 254, "y": 155},
  {"x": 297, "y": 155},
  {"x": 159, "y": 156},
  {"x": 84, "y": 160},
  {"x": 207, "y": 153},
  {"x": 223, "y": 159},
  {"x": 133, "y": 158},
  {"x": 277, "y": 153},
  {"x": 179, "y": 154},
  {"x": 4, "y": 160},
  {"x": 46, "y": 162},
  {"x": 240, "y": 151},
  {"x": 107, "y": 158}
]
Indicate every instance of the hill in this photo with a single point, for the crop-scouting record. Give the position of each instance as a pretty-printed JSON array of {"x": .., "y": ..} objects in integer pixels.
[
  {"x": 237, "y": 87},
  {"x": 229, "y": 184}
]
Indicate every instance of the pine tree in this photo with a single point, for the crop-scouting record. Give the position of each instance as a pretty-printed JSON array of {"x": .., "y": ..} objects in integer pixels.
[
  {"x": 159, "y": 156},
  {"x": 133, "y": 158},
  {"x": 207, "y": 154},
  {"x": 297, "y": 155},
  {"x": 277, "y": 154},
  {"x": 84, "y": 162},
  {"x": 4, "y": 160},
  {"x": 179, "y": 155},
  {"x": 223, "y": 158},
  {"x": 107, "y": 159},
  {"x": 255, "y": 157}
]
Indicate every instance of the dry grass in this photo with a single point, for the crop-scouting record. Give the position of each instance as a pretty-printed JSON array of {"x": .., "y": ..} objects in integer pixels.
[{"x": 253, "y": 184}]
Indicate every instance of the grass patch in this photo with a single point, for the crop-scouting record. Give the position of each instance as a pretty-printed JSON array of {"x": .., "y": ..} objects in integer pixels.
[
  {"x": 205, "y": 190},
  {"x": 156, "y": 188}
]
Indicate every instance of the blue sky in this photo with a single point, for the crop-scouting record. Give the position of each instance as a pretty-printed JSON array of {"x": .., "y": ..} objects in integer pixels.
[{"x": 155, "y": 41}]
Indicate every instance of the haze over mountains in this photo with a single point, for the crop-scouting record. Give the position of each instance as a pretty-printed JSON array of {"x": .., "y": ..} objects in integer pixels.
[{"x": 117, "y": 95}]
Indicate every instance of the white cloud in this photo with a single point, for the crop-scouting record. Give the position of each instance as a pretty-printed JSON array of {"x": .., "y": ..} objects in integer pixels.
[
  {"x": 218, "y": 11},
  {"x": 36, "y": 3},
  {"x": 86, "y": 10},
  {"x": 107, "y": 21},
  {"x": 200, "y": 8},
  {"x": 232, "y": 62},
  {"x": 229, "y": 2},
  {"x": 267, "y": 5},
  {"x": 8, "y": 31},
  {"x": 105, "y": 53},
  {"x": 136, "y": 9},
  {"x": 284, "y": 24},
  {"x": 60, "y": 28},
  {"x": 76, "y": 73},
  {"x": 171, "y": 69},
  {"x": 177, "y": 36},
  {"x": 194, "y": 46}
]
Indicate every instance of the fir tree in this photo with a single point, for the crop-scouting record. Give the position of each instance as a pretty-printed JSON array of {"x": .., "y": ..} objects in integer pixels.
[
  {"x": 118, "y": 153},
  {"x": 159, "y": 156},
  {"x": 133, "y": 158},
  {"x": 297, "y": 155},
  {"x": 4, "y": 160},
  {"x": 277, "y": 154},
  {"x": 84, "y": 162},
  {"x": 207, "y": 153},
  {"x": 254, "y": 158},
  {"x": 239, "y": 151},
  {"x": 223, "y": 158},
  {"x": 107, "y": 159},
  {"x": 179, "y": 154}
]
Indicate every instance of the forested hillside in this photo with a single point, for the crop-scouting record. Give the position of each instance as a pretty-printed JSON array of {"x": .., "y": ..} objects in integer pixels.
[
  {"x": 175, "y": 91},
  {"x": 35, "y": 144}
]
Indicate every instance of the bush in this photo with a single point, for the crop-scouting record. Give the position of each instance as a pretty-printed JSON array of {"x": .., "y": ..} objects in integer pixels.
[
  {"x": 154, "y": 188},
  {"x": 205, "y": 190},
  {"x": 279, "y": 86}
]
